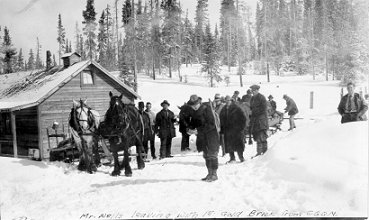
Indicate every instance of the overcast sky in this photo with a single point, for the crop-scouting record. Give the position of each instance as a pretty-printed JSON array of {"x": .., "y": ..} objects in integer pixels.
[{"x": 29, "y": 19}]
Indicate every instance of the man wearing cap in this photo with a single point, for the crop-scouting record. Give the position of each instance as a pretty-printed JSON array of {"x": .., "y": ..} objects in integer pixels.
[
  {"x": 233, "y": 123},
  {"x": 352, "y": 106},
  {"x": 235, "y": 96},
  {"x": 218, "y": 103},
  {"x": 147, "y": 127},
  {"x": 207, "y": 135},
  {"x": 164, "y": 127},
  {"x": 292, "y": 110},
  {"x": 259, "y": 120},
  {"x": 152, "y": 116}
]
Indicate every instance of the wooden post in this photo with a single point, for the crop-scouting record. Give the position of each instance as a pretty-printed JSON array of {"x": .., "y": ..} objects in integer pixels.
[
  {"x": 40, "y": 138},
  {"x": 341, "y": 92},
  {"x": 14, "y": 133},
  {"x": 311, "y": 100}
]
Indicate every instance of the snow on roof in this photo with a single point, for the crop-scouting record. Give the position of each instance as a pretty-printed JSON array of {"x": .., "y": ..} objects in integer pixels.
[{"x": 31, "y": 88}]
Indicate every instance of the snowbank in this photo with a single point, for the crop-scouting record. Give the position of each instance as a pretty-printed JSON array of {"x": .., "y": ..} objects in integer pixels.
[{"x": 318, "y": 170}]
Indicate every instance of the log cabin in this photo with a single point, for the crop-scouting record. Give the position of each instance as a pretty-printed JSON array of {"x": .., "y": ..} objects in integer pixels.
[{"x": 34, "y": 101}]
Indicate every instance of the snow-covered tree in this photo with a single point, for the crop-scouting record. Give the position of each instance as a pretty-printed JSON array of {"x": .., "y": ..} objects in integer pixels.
[
  {"x": 89, "y": 29},
  {"x": 61, "y": 37},
  {"x": 211, "y": 57},
  {"x": 20, "y": 61},
  {"x": 31, "y": 60},
  {"x": 9, "y": 52}
]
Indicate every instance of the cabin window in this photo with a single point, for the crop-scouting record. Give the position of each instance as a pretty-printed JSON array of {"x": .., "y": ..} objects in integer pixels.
[
  {"x": 87, "y": 78},
  {"x": 5, "y": 124}
]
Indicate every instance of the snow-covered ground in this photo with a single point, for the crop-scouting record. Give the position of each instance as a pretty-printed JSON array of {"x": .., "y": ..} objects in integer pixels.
[{"x": 319, "y": 169}]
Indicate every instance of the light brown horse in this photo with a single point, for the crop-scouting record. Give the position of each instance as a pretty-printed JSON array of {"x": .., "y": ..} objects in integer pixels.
[{"x": 84, "y": 123}]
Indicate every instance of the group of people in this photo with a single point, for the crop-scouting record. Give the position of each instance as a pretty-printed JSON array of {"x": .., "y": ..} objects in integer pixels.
[
  {"x": 225, "y": 122},
  {"x": 161, "y": 124}
]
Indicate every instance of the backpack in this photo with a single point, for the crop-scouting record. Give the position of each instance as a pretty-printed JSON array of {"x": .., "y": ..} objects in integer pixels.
[{"x": 215, "y": 115}]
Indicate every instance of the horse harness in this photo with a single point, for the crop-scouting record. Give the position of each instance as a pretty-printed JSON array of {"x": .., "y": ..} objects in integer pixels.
[{"x": 76, "y": 120}]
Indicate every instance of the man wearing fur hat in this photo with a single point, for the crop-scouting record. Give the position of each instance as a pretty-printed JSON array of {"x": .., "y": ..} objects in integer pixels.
[
  {"x": 164, "y": 127},
  {"x": 207, "y": 135},
  {"x": 259, "y": 120},
  {"x": 233, "y": 123}
]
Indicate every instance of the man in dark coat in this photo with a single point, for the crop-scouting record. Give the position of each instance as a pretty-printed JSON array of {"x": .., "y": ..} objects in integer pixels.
[
  {"x": 207, "y": 135},
  {"x": 164, "y": 127},
  {"x": 185, "y": 117},
  {"x": 259, "y": 120},
  {"x": 147, "y": 127},
  {"x": 292, "y": 110},
  {"x": 233, "y": 123},
  {"x": 247, "y": 97},
  {"x": 352, "y": 106}
]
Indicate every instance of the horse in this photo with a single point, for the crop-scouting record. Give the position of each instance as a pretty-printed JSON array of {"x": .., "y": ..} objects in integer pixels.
[
  {"x": 85, "y": 123},
  {"x": 124, "y": 128}
]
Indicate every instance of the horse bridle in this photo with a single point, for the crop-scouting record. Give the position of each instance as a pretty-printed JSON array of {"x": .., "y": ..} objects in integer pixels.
[
  {"x": 80, "y": 130},
  {"x": 122, "y": 113}
]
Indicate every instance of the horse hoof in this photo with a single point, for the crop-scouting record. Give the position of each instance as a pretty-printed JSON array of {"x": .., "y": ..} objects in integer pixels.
[
  {"x": 115, "y": 173},
  {"x": 128, "y": 174}
]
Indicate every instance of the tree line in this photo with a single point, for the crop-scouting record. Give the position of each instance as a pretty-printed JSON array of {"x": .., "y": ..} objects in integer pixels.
[{"x": 157, "y": 37}]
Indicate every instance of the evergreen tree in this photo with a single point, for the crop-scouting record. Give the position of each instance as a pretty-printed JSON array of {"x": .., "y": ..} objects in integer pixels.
[
  {"x": 89, "y": 29},
  {"x": 228, "y": 16},
  {"x": 31, "y": 60},
  {"x": 127, "y": 12},
  {"x": 77, "y": 39},
  {"x": 102, "y": 40},
  {"x": 170, "y": 31},
  {"x": 188, "y": 40},
  {"x": 201, "y": 19},
  {"x": 54, "y": 61},
  {"x": 82, "y": 48},
  {"x": 1, "y": 58},
  {"x": 38, "y": 62},
  {"x": 143, "y": 38},
  {"x": 20, "y": 61},
  {"x": 9, "y": 52},
  {"x": 156, "y": 37},
  {"x": 259, "y": 29},
  {"x": 211, "y": 62},
  {"x": 61, "y": 38}
]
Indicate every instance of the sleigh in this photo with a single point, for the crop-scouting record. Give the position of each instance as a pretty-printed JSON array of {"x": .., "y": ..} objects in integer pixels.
[{"x": 67, "y": 150}]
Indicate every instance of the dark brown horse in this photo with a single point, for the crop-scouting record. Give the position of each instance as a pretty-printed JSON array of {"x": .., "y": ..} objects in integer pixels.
[{"x": 124, "y": 128}]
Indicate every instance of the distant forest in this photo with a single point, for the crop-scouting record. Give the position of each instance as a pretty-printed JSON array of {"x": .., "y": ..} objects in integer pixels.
[{"x": 157, "y": 37}]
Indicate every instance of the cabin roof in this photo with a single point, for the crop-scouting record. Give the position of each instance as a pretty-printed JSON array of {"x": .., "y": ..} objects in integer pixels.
[{"x": 27, "y": 89}]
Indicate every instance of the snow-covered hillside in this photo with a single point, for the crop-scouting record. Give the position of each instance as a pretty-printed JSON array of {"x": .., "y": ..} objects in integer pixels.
[{"x": 319, "y": 169}]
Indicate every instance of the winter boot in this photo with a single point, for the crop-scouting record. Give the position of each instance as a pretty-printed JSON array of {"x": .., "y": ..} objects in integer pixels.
[
  {"x": 207, "y": 161},
  {"x": 259, "y": 148},
  {"x": 265, "y": 147},
  {"x": 232, "y": 157},
  {"x": 240, "y": 156},
  {"x": 214, "y": 167}
]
